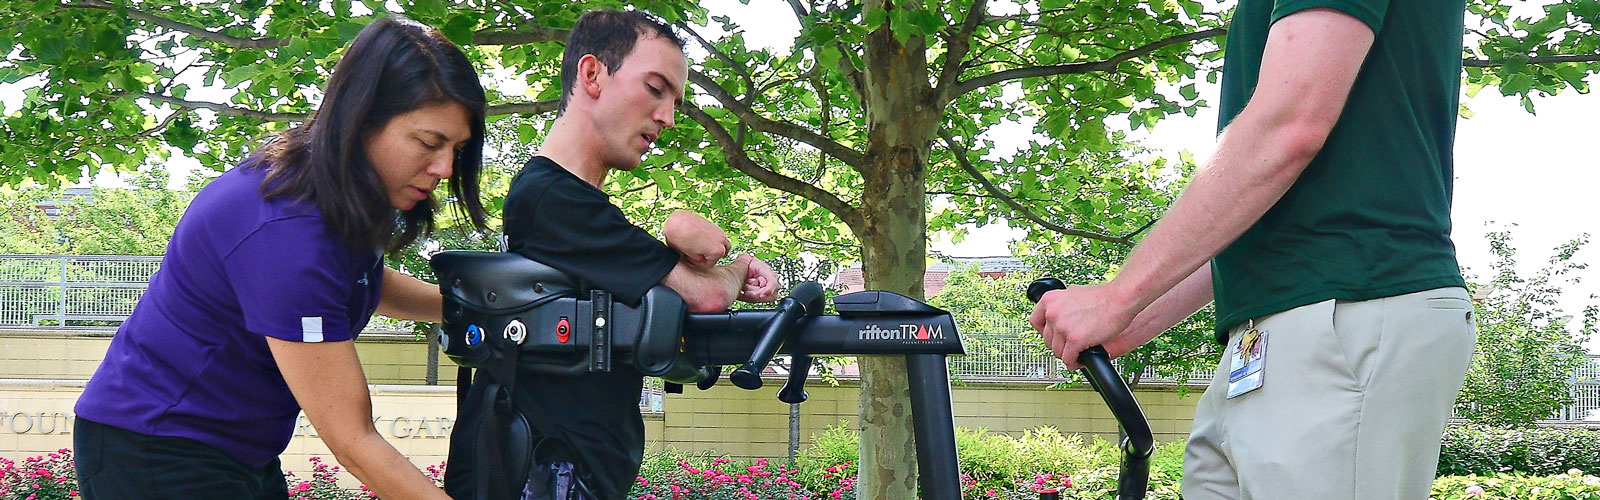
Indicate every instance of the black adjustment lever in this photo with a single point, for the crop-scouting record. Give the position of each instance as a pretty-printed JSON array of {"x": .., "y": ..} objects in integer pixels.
[
  {"x": 714, "y": 372},
  {"x": 794, "y": 391},
  {"x": 790, "y": 311}
]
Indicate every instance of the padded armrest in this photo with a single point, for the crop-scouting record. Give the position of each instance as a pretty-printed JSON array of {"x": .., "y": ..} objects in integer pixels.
[
  {"x": 659, "y": 346},
  {"x": 497, "y": 281}
]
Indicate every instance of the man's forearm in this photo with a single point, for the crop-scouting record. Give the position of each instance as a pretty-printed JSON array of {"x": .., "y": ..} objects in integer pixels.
[
  {"x": 708, "y": 290},
  {"x": 1310, "y": 61},
  {"x": 1191, "y": 294},
  {"x": 1256, "y": 162}
]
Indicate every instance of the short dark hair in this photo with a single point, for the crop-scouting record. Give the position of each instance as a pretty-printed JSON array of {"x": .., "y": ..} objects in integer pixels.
[
  {"x": 394, "y": 66},
  {"x": 610, "y": 36}
]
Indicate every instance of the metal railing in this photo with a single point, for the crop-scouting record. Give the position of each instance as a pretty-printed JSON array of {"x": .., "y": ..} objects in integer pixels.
[{"x": 90, "y": 291}]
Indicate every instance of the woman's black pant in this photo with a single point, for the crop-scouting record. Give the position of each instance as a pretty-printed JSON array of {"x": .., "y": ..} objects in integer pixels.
[{"x": 116, "y": 463}]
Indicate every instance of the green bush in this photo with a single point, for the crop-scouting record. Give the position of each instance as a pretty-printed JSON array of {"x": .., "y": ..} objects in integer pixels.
[
  {"x": 1483, "y": 450},
  {"x": 993, "y": 466},
  {"x": 1574, "y": 485}
]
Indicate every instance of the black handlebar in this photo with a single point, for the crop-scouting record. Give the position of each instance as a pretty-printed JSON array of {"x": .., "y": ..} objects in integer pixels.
[
  {"x": 506, "y": 316},
  {"x": 803, "y": 302},
  {"x": 1138, "y": 443}
]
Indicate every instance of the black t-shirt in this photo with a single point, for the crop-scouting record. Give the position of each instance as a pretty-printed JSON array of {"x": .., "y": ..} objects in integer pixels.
[{"x": 554, "y": 217}]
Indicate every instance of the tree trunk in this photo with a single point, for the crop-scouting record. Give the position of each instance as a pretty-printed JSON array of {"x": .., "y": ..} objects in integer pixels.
[
  {"x": 432, "y": 339},
  {"x": 900, "y": 121}
]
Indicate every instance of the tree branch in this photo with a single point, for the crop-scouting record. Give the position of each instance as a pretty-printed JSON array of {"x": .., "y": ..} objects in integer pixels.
[
  {"x": 535, "y": 34},
  {"x": 1565, "y": 58},
  {"x": 960, "y": 44},
  {"x": 28, "y": 19},
  {"x": 528, "y": 108},
  {"x": 1083, "y": 67},
  {"x": 225, "y": 109},
  {"x": 822, "y": 243},
  {"x": 533, "y": 108},
  {"x": 1141, "y": 229},
  {"x": 192, "y": 30},
  {"x": 164, "y": 122},
  {"x": 742, "y": 162},
  {"x": 744, "y": 73},
  {"x": 786, "y": 129},
  {"x": 483, "y": 37},
  {"x": 961, "y": 158},
  {"x": 799, "y": 10}
]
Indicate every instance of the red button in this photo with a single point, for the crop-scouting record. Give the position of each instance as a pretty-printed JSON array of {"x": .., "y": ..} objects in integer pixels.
[{"x": 563, "y": 330}]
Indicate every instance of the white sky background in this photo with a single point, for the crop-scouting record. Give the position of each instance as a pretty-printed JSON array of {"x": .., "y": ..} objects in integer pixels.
[{"x": 1536, "y": 171}]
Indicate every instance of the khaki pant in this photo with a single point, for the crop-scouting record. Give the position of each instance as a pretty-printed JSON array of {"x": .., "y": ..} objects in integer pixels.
[{"x": 1354, "y": 399}]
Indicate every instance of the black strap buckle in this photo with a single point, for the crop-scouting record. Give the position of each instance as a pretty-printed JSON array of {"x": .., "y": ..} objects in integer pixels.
[{"x": 600, "y": 324}]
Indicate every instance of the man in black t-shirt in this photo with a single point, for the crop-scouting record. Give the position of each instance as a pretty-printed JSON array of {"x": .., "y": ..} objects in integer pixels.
[{"x": 624, "y": 74}]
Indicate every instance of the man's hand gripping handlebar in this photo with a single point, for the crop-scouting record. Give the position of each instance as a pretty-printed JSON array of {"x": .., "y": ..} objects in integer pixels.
[{"x": 1137, "y": 443}]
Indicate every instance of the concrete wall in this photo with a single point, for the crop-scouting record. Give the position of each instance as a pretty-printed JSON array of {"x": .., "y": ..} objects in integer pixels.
[
  {"x": 74, "y": 355},
  {"x": 743, "y": 423},
  {"x": 41, "y": 375}
]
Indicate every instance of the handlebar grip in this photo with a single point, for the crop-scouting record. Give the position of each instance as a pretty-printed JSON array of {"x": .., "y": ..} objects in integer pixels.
[
  {"x": 1138, "y": 443},
  {"x": 800, "y": 303},
  {"x": 713, "y": 373},
  {"x": 794, "y": 391},
  {"x": 1037, "y": 289}
]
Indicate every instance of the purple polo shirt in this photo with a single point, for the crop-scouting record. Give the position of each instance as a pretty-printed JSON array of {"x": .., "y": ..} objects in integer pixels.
[{"x": 192, "y": 361}]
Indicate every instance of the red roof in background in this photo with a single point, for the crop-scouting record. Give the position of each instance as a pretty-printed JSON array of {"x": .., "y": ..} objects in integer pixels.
[
  {"x": 933, "y": 279},
  {"x": 852, "y": 281}
]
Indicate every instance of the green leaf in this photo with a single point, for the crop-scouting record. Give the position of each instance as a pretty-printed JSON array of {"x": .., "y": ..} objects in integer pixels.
[
  {"x": 459, "y": 29},
  {"x": 875, "y": 18},
  {"x": 348, "y": 31},
  {"x": 927, "y": 20},
  {"x": 900, "y": 24},
  {"x": 1189, "y": 92},
  {"x": 828, "y": 57},
  {"x": 49, "y": 49},
  {"x": 1070, "y": 53},
  {"x": 182, "y": 134}
]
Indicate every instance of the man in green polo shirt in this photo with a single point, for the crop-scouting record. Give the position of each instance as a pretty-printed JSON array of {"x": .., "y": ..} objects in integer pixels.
[{"x": 1321, "y": 227}]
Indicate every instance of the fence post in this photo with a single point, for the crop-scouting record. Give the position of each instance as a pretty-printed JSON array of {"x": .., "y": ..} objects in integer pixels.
[{"x": 61, "y": 312}]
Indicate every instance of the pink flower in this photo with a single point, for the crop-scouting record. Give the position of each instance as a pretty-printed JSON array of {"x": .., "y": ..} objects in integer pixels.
[{"x": 1474, "y": 490}]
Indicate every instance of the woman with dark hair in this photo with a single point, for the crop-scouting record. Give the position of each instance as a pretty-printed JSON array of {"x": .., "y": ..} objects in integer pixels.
[{"x": 275, "y": 267}]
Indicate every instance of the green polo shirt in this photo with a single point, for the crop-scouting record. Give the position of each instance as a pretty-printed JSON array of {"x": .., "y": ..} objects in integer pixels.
[{"x": 1370, "y": 216}]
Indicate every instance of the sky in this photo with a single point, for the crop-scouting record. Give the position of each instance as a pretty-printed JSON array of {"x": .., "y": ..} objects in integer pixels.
[{"x": 1538, "y": 171}]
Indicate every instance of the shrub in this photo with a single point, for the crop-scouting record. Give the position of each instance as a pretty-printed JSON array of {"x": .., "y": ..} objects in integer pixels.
[
  {"x": 721, "y": 478},
  {"x": 1573, "y": 485},
  {"x": 1484, "y": 450},
  {"x": 994, "y": 466}
]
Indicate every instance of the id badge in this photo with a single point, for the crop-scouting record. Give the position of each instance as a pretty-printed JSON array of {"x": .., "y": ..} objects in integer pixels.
[{"x": 1248, "y": 359}]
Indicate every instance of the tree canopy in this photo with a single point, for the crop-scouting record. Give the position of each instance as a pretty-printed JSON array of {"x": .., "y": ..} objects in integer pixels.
[{"x": 878, "y": 123}]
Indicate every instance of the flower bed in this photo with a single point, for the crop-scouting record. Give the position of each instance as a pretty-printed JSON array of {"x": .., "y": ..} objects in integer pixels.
[
  {"x": 995, "y": 467},
  {"x": 48, "y": 477}
]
